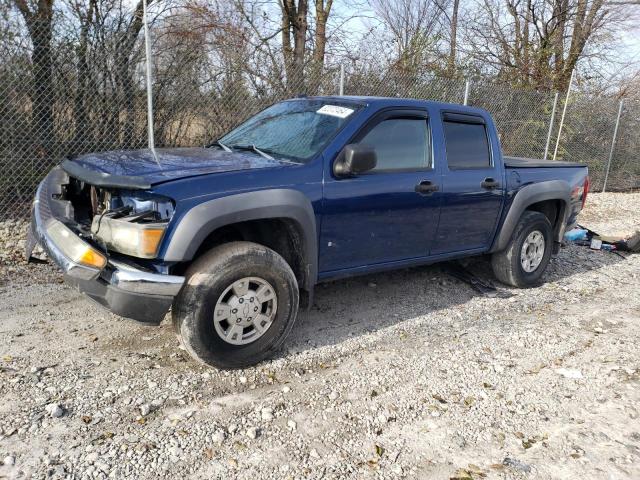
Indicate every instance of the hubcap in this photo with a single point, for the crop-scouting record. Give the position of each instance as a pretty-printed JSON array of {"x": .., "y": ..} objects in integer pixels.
[
  {"x": 245, "y": 310},
  {"x": 532, "y": 251}
]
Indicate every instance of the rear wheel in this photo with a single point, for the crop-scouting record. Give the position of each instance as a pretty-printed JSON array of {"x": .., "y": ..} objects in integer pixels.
[
  {"x": 239, "y": 303},
  {"x": 527, "y": 255}
]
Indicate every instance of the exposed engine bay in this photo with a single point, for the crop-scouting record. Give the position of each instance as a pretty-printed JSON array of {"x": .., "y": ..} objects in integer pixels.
[{"x": 131, "y": 222}]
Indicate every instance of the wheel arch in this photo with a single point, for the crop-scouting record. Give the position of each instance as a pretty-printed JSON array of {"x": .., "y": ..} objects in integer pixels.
[
  {"x": 552, "y": 198},
  {"x": 252, "y": 214}
]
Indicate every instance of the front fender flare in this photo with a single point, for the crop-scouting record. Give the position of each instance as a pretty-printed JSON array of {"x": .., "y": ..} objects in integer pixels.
[
  {"x": 201, "y": 220},
  {"x": 527, "y": 196}
]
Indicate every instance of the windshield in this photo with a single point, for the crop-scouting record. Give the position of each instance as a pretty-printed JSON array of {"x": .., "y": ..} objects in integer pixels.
[{"x": 295, "y": 129}]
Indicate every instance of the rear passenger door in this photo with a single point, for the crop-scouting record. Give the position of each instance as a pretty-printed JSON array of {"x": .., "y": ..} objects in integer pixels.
[{"x": 472, "y": 186}]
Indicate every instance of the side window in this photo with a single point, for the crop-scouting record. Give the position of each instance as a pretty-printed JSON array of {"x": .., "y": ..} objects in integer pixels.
[
  {"x": 400, "y": 143},
  {"x": 467, "y": 145}
]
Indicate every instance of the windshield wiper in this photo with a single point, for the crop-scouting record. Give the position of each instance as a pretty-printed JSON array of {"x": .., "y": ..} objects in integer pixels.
[
  {"x": 218, "y": 143},
  {"x": 253, "y": 148}
]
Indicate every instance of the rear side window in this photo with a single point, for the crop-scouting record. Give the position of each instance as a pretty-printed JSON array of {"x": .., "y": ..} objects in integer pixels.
[
  {"x": 467, "y": 145},
  {"x": 400, "y": 144}
]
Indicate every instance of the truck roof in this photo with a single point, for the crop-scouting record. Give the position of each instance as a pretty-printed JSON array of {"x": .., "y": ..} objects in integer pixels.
[{"x": 382, "y": 102}]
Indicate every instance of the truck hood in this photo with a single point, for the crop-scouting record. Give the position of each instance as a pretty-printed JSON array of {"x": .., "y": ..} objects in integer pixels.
[{"x": 139, "y": 169}]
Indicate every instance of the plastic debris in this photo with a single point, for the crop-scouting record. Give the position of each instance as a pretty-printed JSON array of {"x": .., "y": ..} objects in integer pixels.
[
  {"x": 517, "y": 464},
  {"x": 576, "y": 234},
  {"x": 609, "y": 243}
]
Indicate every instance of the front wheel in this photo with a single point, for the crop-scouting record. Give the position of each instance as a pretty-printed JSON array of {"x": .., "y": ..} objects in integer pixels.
[
  {"x": 527, "y": 255},
  {"x": 238, "y": 305}
]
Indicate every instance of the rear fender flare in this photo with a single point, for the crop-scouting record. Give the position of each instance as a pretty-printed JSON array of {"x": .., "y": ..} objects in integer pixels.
[
  {"x": 203, "y": 219},
  {"x": 527, "y": 196}
]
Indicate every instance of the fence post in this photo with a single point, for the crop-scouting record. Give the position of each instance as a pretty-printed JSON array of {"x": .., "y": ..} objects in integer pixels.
[
  {"x": 564, "y": 112},
  {"x": 613, "y": 146},
  {"x": 467, "y": 85},
  {"x": 341, "y": 90},
  {"x": 147, "y": 51},
  {"x": 553, "y": 116}
]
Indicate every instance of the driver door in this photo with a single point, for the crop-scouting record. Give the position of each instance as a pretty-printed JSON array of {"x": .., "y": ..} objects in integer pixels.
[{"x": 390, "y": 213}]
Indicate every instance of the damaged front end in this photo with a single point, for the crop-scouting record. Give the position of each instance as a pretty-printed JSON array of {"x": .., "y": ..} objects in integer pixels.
[
  {"x": 129, "y": 222},
  {"x": 104, "y": 236}
]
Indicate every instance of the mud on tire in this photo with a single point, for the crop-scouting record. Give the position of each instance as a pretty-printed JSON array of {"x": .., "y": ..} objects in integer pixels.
[
  {"x": 209, "y": 285},
  {"x": 508, "y": 264}
]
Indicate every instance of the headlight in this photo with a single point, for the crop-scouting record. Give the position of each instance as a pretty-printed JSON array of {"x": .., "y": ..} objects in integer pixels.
[
  {"x": 74, "y": 248},
  {"x": 140, "y": 240}
]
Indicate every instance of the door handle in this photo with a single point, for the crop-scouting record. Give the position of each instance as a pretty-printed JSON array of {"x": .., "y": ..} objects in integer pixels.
[
  {"x": 426, "y": 187},
  {"x": 489, "y": 183}
]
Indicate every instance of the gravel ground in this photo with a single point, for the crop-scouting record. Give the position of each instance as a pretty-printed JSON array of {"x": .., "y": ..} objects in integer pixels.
[{"x": 404, "y": 375}]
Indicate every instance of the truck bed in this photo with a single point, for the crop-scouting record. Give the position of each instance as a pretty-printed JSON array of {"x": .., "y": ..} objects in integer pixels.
[{"x": 521, "y": 162}]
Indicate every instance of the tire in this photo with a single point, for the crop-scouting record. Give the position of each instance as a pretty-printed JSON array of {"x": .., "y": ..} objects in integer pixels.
[
  {"x": 233, "y": 340},
  {"x": 508, "y": 264}
]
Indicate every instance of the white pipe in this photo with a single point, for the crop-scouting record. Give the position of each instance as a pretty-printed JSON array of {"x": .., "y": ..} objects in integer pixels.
[
  {"x": 147, "y": 49},
  {"x": 564, "y": 112},
  {"x": 467, "y": 86},
  {"x": 613, "y": 146},
  {"x": 553, "y": 116}
]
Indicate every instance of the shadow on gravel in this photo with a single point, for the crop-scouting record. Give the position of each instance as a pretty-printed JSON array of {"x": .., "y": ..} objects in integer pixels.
[
  {"x": 348, "y": 308},
  {"x": 357, "y": 306}
]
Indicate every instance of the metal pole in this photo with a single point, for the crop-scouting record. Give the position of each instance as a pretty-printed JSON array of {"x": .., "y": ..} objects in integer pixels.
[
  {"x": 341, "y": 79},
  {"x": 147, "y": 49},
  {"x": 564, "y": 112},
  {"x": 613, "y": 146},
  {"x": 467, "y": 85},
  {"x": 553, "y": 116}
]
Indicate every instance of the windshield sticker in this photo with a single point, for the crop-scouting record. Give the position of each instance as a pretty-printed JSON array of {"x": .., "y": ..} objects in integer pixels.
[{"x": 335, "y": 111}]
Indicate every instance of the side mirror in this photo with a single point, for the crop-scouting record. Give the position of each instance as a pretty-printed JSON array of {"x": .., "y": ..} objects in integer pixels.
[{"x": 355, "y": 159}]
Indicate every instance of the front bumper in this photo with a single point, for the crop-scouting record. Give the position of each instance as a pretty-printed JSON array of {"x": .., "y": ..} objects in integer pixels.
[{"x": 121, "y": 288}]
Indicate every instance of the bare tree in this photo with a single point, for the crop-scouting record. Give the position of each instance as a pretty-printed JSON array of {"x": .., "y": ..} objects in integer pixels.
[
  {"x": 537, "y": 42},
  {"x": 415, "y": 29},
  {"x": 38, "y": 17},
  {"x": 82, "y": 91},
  {"x": 588, "y": 17},
  {"x": 322, "y": 13},
  {"x": 294, "y": 25},
  {"x": 323, "y": 10},
  {"x": 453, "y": 37},
  {"x": 123, "y": 67},
  {"x": 303, "y": 32}
]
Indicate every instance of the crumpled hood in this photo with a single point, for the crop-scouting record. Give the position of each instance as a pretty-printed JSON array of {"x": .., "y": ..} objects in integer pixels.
[{"x": 172, "y": 164}]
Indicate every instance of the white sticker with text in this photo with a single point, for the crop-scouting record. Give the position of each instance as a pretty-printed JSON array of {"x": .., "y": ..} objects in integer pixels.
[{"x": 335, "y": 111}]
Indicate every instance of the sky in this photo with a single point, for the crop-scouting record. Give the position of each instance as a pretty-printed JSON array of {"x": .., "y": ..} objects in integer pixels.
[{"x": 631, "y": 41}]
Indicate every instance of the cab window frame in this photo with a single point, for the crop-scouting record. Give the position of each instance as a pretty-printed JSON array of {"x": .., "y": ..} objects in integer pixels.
[
  {"x": 393, "y": 114},
  {"x": 448, "y": 116}
]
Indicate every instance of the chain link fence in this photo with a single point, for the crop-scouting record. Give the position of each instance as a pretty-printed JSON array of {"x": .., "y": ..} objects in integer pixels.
[{"x": 78, "y": 86}]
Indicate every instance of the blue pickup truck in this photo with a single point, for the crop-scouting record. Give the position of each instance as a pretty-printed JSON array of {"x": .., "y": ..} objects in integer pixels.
[{"x": 232, "y": 237}]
